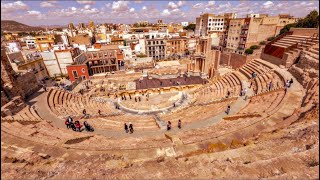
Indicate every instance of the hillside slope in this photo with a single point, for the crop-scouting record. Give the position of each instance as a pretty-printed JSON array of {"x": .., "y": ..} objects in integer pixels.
[{"x": 8, "y": 25}]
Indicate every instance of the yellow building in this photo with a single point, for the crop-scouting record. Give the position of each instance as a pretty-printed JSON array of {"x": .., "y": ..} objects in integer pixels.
[
  {"x": 101, "y": 36},
  {"x": 44, "y": 43},
  {"x": 35, "y": 65},
  {"x": 175, "y": 28}
]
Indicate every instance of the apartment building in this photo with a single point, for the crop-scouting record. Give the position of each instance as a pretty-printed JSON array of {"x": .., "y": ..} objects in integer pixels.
[
  {"x": 35, "y": 65},
  {"x": 155, "y": 46},
  {"x": 90, "y": 63},
  {"x": 44, "y": 43},
  {"x": 176, "y": 46},
  {"x": 30, "y": 42},
  {"x": 245, "y": 32},
  {"x": 211, "y": 23}
]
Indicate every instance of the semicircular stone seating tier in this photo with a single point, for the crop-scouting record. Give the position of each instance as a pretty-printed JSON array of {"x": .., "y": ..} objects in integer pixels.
[{"x": 264, "y": 110}]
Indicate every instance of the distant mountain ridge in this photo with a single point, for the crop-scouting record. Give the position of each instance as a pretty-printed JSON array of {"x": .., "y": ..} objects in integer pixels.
[{"x": 9, "y": 25}]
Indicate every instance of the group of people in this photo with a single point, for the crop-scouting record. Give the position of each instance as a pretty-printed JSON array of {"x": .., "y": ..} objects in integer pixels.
[
  {"x": 128, "y": 128},
  {"x": 76, "y": 126},
  {"x": 169, "y": 125},
  {"x": 288, "y": 84}
]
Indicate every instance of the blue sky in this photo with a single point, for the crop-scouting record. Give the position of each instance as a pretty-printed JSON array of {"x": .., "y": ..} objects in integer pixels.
[{"x": 64, "y": 12}]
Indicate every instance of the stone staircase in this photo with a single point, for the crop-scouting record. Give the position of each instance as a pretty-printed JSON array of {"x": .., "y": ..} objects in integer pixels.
[{"x": 286, "y": 48}]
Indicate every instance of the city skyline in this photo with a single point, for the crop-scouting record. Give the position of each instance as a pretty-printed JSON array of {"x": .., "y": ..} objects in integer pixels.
[{"x": 37, "y": 13}]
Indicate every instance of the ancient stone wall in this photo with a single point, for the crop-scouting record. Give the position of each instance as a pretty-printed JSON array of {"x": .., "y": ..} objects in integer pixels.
[
  {"x": 4, "y": 98},
  {"x": 14, "y": 84},
  {"x": 12, "y": 107},
  {"x": 234, "y": 60},
  {"x": 28, "y": 83},
  {"x": 305, "y": 70}
]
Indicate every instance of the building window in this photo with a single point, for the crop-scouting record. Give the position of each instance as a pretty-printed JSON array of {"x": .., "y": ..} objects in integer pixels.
[
  {"x": 83, "y": 70},
  {"x": 75, "y": 73}
]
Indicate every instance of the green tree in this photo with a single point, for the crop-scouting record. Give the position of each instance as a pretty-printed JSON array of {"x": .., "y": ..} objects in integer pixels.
[
  {"x": 310, "y": 21},
  {"x": 248, "y": 51},
  {"x": 286, "y": 28},
  {"x": 254, "y": 47},
  {"x": 190, "y": 27}
]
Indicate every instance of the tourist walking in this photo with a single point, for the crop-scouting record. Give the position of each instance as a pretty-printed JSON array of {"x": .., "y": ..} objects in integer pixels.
[
  {"x": 169, "y": 126},
  {"x": 179, "y": 124},
  {"x": 99, "y": 112},
  {"x": 290, "y": 82},
  {"x": 228, "y": 94},
  {"x": 130, "y": 128},
  {"x": 228, "y": 110},
  {"x": 244, "y": 91},
  {"x": 84, "y": 112},
  {"x": 270, "y": 85},
  {"x": 126, "y": 128}
]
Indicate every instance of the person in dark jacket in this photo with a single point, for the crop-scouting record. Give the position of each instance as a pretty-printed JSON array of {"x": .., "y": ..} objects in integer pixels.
[
  {"x": 179, "y": 124},
  {"x": 126, "y": 127}
]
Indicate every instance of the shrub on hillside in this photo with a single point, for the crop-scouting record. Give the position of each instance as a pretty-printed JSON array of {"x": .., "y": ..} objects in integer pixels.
[
  {"x": 271, "y": 38},
  {"x": 254, "y": 47},
  {"x": 262, "y": 43},
  {"x": 248, "y": 51}
]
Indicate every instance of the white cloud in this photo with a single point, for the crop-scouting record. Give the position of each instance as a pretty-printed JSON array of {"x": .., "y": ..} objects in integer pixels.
[
  {"x": 10, "y": 7},
  {"x": 181, "y": 3},
  {"x": 268, "y": 4},
  {"x": 211, "y": 3},
  {"x": 48, "y": 4},
  {"x": 165, "y": 12},
  {"x": 144, "y": 8},
  {"x": 73, "y": 8},
  {"x": 172, "y": 5},
  {"x": 87, "y": 6},
  {"x": 131, "y": 10},
  {"x": 108, "y": 5},
  {"x": 86, "y": 2},
  {"x": 120, "y": 6},
  {"x": 197, "y": 6},
  {"x": 34, "y": 12}
]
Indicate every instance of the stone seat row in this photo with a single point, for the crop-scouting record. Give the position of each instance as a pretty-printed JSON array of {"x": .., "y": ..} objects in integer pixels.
[
  {"x": 196, "y": 113},
  {"x": 263, "y": 104},
  {"x": 25, "y": 116},
  {"x": 254, "y": 67},
  {"x": 218, "y": 89},
  {"x": 140, "y": 122},
  {"x": 63, "y": 104},
  {"x": 261, "y": 82}
]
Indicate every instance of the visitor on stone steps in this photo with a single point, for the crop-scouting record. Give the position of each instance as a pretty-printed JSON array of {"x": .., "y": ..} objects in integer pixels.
[
  {"x": 244, "y": 91},
  {"x": 179, "y": 124},
  {"x": 84, "y": 112},
  {"x": 67, "y": 123},
  {"x": 87, "y": 126},
  {"x": 126, "y": 127},
  {"x": 270, "y": 85},
  {"x": 99, "y": 112},
  {"x": 228, "y": 110},
  {"x": 169, "y": 126},
  {"x": 70, "y": 120},
  {"x": 78, "y": 126},
  {"x": 131, "y": 128},
  {"x": 250, "y": 84},
  {"x": 290, "y": 82},
  {"x": 228, "y": 94}
]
